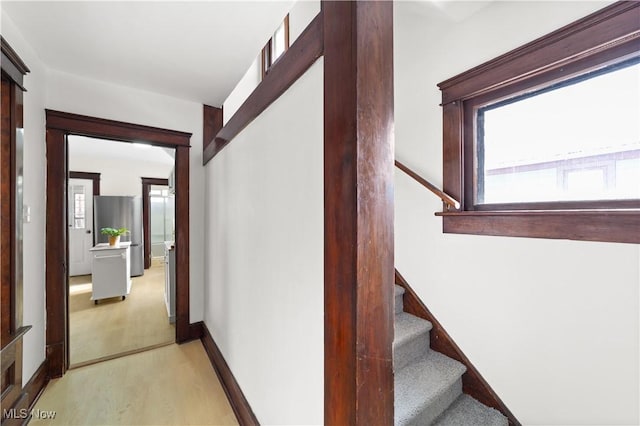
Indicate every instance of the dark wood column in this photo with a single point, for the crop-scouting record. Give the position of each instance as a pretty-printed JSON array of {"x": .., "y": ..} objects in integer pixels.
[
  {"x": 358, "y": 181},
  {"x": 56, "y": 253}
]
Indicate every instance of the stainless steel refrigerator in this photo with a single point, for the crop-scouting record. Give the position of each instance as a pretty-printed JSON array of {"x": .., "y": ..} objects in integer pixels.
[{"x": 121, "y": 212}]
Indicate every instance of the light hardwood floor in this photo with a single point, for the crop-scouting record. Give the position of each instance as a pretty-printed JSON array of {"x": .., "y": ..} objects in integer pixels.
[
  {"x": 116, "y": 326},
  {"x": 171, "y": 385}
]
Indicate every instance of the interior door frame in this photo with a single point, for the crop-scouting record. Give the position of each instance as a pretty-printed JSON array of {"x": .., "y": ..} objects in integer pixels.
[
  {"x": 146, "y": 215},
  {"x": 59, "y": 125}
]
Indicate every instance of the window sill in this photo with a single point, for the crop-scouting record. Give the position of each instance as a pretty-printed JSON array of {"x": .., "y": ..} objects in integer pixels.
[{"x": 620, "y": 226}]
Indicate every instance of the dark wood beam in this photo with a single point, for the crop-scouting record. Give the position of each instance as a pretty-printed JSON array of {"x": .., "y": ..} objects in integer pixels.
[
  {"x": 212, "y": 123},
  {"x": 358, "y": 217},
  {"x": 292, "y": 64}
]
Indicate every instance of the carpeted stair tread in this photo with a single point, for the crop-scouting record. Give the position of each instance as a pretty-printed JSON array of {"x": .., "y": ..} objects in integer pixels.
[
  {"x": 425, "y": 388},
  {"x": 399, "y": 305},
  {"x": 407, "y": 326},
  {"x": 411, "y": 339},
  {"x": 466, "y": 411}
]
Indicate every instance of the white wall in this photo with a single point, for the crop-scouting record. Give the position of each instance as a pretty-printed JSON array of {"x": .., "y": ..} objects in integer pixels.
[
  {"x": 121, "y": 177},
  {"x": 79, "y": 95},
  {"x": 264, "y": 256},
  {"x": 552, "y": 325},
  {"x": 34, "y": 178}
]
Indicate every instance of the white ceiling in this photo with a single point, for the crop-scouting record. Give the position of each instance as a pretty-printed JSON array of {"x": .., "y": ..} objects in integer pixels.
[
  {"x": 195, "y": 50},
  {"x": 83, "y": 147}
]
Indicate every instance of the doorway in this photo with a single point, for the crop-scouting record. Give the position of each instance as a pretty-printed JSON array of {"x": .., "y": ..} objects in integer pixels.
[
  {"x": 104, "y": 299},
  {"x": 59, "y": 126}
]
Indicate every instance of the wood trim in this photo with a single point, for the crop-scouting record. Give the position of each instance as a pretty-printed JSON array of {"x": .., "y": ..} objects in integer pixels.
[
  {"x": 446, "y": 198},
  {"x": 95, "y": 177},
  {"x": 36, "y": 385},
  {"x": 7, "y": 182},
  {"x": 182, "y": 244},
  {"x": 472, "y": 381},
  {"x": 212, "y": 123},
  {"x": 12, "y": 66},
  {"x": 358, "y": 212},
  {"x": 146, "y": 216},
  {"x": 232, "y": 389},
  {"x": 59, "y": 125},
  {"x": 589, "y": 44},
  {"x": 30, "y": 394},
  {"x": 286, "y": 33},
  {"x": 11, "y": 54},
  {"x": 590, "y": 225},
  {"x": 196, "y": 330},
  {"x": 115, "y": 130},
  {"x": 614, "y": 24},
  {"x": 290, "y": 66}
]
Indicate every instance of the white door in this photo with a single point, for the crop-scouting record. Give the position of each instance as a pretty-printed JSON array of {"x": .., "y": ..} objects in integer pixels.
[{"x": 80, "y": 226}]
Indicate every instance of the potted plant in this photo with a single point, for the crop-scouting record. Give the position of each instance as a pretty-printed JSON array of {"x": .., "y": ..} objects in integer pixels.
[{"x": 114, "y": 234}]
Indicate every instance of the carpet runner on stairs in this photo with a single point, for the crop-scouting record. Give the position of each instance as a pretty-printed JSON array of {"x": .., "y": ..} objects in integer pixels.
[{"x": 428, "y": 384}]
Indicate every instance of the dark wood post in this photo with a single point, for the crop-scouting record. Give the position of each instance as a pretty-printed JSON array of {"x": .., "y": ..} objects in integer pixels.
[{"x": 358, "y": 181}]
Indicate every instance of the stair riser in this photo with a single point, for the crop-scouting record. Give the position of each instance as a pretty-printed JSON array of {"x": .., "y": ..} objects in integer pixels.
[
  {"x": 437, "y": 407},
  {"x": 399, "y": 304},
  {"x": 410, "y": 351}
]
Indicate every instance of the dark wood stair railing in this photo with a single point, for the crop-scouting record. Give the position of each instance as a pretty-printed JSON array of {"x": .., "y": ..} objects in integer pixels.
[{"x": 449, "y": 201}]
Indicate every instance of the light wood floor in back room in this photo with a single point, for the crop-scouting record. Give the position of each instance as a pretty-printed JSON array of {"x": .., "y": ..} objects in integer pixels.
[
  {"x": 116, "y": 326},
  {"x": 171, "y": 385}
]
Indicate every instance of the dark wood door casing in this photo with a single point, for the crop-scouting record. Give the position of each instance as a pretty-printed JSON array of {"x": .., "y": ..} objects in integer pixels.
[
  {"x": 59, "y": 125},
  {"x": 146, "y": 215}
]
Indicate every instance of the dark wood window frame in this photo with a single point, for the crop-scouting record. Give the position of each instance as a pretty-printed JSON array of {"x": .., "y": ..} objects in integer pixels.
[
  {"x": 146, "y": 214},
  {"x": 604, "y": 37},
  {"x": 59, "y": 125},
  {"x": 266, "y": 57}
]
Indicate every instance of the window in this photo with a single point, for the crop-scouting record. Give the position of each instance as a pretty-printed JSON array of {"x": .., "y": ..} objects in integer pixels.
[
  {"x": 544, "y": 141},
  {"x": 582, "y": 141},
  {"x": 276, "y": 46},
  {"x": 78, "y": 207}
]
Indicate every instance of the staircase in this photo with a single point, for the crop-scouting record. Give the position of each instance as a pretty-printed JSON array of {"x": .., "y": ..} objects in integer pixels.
[{"x": 428, "y": 385}]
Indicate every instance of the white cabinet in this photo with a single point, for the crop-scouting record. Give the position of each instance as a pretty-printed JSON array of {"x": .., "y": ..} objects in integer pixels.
[
  {"x": 111, "y": 271},
  {"x": 170, "y": 279}
]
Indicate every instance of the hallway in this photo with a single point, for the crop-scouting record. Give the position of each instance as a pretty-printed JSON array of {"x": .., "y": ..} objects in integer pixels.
[
  {"x": 171, "y": 385},
  {"x": 115, "y": 326}
]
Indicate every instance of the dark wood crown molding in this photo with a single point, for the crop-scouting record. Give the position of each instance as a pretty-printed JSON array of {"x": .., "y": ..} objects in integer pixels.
[
  {"x": 12, "y": 65},
  {"x": 13, "y": 56},
  {"x": 613, "y": 25},
  {"x": 290, "y": 66}
]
